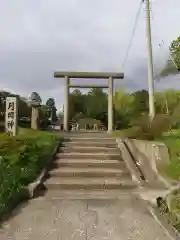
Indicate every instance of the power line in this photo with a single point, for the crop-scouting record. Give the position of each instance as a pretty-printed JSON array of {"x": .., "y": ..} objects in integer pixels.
[{"x": 132, "y": 34}]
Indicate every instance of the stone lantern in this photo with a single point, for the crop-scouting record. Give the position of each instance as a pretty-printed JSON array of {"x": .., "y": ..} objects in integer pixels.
[{"x": 35, "y": 102}]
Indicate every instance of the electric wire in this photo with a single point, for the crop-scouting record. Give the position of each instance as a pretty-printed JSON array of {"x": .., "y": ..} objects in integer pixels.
[{"x": 132, "y": 34}]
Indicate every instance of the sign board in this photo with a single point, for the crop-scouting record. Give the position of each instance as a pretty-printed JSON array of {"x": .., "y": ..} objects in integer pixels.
[{"x": 11, "y": 116}]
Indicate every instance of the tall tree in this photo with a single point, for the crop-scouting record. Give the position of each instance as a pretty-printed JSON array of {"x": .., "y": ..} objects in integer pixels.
[
  {"x": 77, "y": 103},
  {"x": 97, "y": 105},
  {"x": 123, "y": 107},
  {"x": 50, "y": 102},
  {"x": 140, "y": 102},
  {"x": 173, "y": 63},
  {"x": 51, "y": 109}
]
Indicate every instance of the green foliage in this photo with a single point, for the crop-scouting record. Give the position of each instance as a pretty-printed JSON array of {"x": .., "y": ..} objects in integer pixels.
[
  {"x": 175, "y": 51},
  {"x": 123, "y": 108},
  {"x": 91, "y": 105},
  {"x": 170, "y": 208},
  {"x": 173, "y": 64},
  {"x": 50, "y": 102},
  {"x": 170, "y": 69},
  {"x": 128, "y": 108},
  {"x": 144, "y": 129},
  {"x": 22, "y": 159},
  {"x": 51, "y": 109},
  {"x": 35, "y": 98},
  {"x": 172, "y": 141},
  {"x": 24, "y": 109},
  {"x": 140, "y": 102}
]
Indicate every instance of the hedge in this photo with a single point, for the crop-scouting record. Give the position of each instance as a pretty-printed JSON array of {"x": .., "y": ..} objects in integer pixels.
[{"x": 21, "y": 160}]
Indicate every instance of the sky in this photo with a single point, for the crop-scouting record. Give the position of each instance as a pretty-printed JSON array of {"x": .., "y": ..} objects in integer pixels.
[{"x": 40, "y": 37}]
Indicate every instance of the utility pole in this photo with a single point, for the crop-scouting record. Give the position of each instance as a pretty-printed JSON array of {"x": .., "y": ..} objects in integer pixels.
[{"x": 150, "y": 61}]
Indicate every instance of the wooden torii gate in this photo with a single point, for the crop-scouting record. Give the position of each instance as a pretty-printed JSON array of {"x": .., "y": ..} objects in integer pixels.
[{"x": 93, "y": 75}]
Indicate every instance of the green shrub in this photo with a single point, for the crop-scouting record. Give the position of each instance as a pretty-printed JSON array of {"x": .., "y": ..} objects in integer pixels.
[
  {"x": 2, "y": 126},
  {"x": 11, "y": 189},
  {"x": 22, "y": 159},
  {"x": 144, "y": 129}
]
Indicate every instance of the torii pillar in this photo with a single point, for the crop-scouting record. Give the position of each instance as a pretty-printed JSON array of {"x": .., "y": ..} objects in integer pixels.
[
  {"x": 66, "y": 103},
  {"x": 110, "y": 104}
]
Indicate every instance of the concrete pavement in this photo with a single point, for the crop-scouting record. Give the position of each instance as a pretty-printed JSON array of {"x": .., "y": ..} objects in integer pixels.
[{"x": 122, "y": 218}]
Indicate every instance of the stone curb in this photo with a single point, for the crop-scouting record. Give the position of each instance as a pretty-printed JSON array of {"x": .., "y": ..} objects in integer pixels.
[
  {"x": 167, "y": 200},
  {"x": 135, "y": 173},
  {"x": 151, "y": 198},
  {"x": 32, "y": 187},
  {"x": 163, "y": 222}
]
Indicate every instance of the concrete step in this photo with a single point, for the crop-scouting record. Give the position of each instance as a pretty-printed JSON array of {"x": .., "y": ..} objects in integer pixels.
[
  {"x": 90, "y": 143},
  {"x": 87, "y": 194},
  {"x": 91, "y": 139},
  {"x": 77, "y": 155},
  {"x": 83, "y": 163},
  {"x": 88, "y": 172},
  {"x": 89, "y": 149},
  {"x": 89, "y": 183}
]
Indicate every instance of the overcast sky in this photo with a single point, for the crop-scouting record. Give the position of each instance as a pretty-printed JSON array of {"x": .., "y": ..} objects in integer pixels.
[{"x": 38, "y": 37}]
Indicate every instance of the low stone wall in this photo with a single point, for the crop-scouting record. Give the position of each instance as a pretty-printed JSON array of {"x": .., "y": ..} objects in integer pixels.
[{"x": 148, "y": 156}]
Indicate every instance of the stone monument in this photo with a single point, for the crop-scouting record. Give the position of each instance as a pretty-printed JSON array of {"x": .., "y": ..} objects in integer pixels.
[{"x": 11, "y": 118}]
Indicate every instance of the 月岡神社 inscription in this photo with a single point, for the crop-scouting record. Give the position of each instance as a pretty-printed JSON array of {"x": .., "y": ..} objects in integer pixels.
[{"x": 11, "y": 116}]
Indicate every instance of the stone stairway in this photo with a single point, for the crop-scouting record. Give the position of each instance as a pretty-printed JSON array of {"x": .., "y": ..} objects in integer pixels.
[{"x": 89, "y": 163}]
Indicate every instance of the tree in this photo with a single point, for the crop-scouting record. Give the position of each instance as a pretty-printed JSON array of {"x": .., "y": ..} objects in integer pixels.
[
  {"x": 173, "y": 63},
  {"x": 123, "y": 102},
  {"x": 35, "y": 98},
  {"x": 51, "y": 109},
  {"x": 160, "y": 103},
  {"x": 97, "y": 105},
  {"x": 123, "y": 107},
  {"x": 24, "y": 110},
  {"x": 140, "y": 102},
  {"x": 50, "y": 102},
  {"x": 172, "y": 100},
  {"x": 175, "y": 51},
  {"x": 77, "y": 103},
  {"x": 92, "y": 105}
]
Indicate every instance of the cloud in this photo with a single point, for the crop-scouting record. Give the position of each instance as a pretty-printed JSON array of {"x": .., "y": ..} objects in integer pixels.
[{"x": 39, "y": 37}]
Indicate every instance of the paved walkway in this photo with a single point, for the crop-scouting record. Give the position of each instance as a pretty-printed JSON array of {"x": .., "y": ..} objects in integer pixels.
[{"x": 125, "y": 218}]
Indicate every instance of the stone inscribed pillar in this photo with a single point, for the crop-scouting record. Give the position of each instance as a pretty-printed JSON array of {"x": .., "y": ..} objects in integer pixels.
[{"x": 11, "y": 119}]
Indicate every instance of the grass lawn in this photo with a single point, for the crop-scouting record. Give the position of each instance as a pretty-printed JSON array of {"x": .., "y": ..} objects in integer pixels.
[
  {"x": 123, "y": 132},
  {"x": 21, "y": 160},
  {"x": 172, "y": 141}
]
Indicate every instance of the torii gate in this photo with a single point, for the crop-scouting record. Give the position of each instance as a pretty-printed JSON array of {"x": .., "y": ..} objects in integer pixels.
[{"x": 95, "y": 75}]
